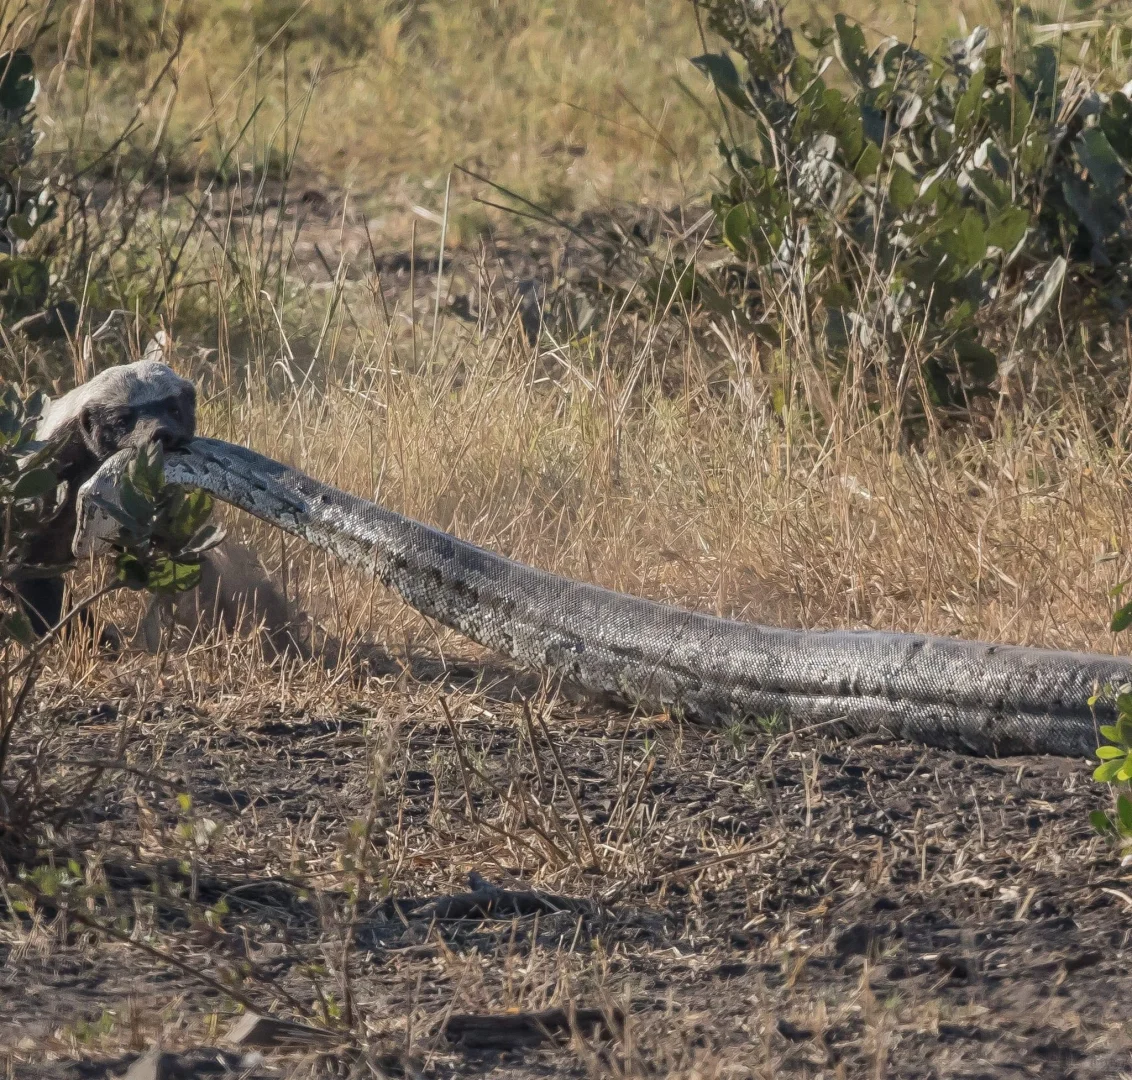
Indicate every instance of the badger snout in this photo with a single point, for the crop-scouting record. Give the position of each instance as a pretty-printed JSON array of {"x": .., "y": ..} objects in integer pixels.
[{"x": 171, "y": 426}]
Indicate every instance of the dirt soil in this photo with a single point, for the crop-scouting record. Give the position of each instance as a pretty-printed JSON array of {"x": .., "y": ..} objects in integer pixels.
[{"x": 756, "y": 903}]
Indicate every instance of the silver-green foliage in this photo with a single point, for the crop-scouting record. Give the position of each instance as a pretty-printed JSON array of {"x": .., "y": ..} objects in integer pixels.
[
  {"x": 26, "y": 202},
  {"x": 915, "y": 195}
]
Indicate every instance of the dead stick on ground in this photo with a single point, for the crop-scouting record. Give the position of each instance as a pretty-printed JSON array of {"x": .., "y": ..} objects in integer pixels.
[
  {"x": 534, "y": 743},
  {"x": 519, "y": 808},
  {"x": 460, "y": 761}
]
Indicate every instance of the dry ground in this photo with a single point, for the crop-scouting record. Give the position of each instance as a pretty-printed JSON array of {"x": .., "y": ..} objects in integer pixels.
[
  {"x": 756, "y": 901},
  {"x": 753, "y": 905},
  {"x": 748, "y": 902}
]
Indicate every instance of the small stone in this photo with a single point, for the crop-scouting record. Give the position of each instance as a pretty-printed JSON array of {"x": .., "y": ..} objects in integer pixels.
[
  {"x": 255, "y": 1030},
  {"x": 201, "y": 1063},
  {"x": 151, "y": 1066}
]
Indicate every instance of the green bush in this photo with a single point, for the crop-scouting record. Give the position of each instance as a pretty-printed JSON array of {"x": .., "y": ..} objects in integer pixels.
[
  {"x": 902, "y": 206},
  {"x": 1115, "y": 753},
  {"x": 26, "y": 204}
]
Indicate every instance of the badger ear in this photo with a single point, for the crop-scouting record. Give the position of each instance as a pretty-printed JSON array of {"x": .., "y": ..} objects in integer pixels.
[{"x": 89, "y": 426}]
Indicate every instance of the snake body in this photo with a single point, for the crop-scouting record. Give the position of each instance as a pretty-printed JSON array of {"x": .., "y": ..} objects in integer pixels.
[{"x": 982, "y": 698}]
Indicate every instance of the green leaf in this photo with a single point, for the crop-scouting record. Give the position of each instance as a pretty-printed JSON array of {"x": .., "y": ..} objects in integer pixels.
[
  {"x": 1121, "y": 619},
  {"x": 34, "y": 483},
  {"x": 138, "y": 509},
  {"x": 901, "y": 188},
  {"x": 1007, "y": 228},
  {"x": 1033, "y": 154},
  {"x": 1109, "y": 753},
  {"x": 193, "y": 510},
  {"x": 169, "y": 576},
  {"x": 20, "y": 227},
  {"x": 1100, "y": 821},
  {"x": 1108, "y": 731},
  {"x": 968, "y": 107},
  {"x": 737, "y": 229},
  {"x": 991, "y": 188},
  {"x": 1022, "y": 116},
  {"x": 1124, "y": 812},
  {"x": 1106, "y": 772},
  {"x": 1098, "y": 156},
  {"x": 147, "y": 471},
  {"x": 851, "y": 49},
  {"x": 968, "y": 243},
  {"x": 801, "y": 74},
  {"x": 868, "y": 162},
  {"x": 1125, "y": 771},
  {"x": 186, "y": 575},
  {"x": 720, "y": 68}
]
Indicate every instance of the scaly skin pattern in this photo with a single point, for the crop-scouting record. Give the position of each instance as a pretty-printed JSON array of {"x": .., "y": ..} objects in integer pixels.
[{"x": 980, "y": 698}]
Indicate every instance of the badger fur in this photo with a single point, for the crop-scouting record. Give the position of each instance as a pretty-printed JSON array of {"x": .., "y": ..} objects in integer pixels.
[
  {"x": 237, "y": 595},
  {"x": 126, "y": 406}
]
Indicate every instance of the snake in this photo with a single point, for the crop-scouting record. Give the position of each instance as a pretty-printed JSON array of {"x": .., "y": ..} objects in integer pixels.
[{"x": 980, "y": 698}]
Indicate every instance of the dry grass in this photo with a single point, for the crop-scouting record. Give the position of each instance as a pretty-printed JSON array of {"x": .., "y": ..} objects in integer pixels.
[
  {"x": 745, "y": 858},
  {"x": 700, "y": 499},
  {"x": 573, "y": 103},
  {"x": 765, "y": 903}
]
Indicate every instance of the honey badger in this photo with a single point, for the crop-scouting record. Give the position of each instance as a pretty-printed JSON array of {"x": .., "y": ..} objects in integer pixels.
[
  {"x": 235, "y": 594},
  {"x": 126, "y": 406}
]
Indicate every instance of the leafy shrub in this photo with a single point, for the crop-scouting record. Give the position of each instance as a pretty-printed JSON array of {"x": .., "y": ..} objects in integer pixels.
[
  {"x": 26, "y": 205},
  {"x": 1115, "y": 754},
  {"x": 164, "y": 529},
  {"x": 925, "y": 201}
]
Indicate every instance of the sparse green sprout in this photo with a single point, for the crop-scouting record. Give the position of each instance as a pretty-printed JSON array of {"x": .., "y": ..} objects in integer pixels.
[
  {"x": 163, "y": 534},
  {"x": 1115, "y": 755},
  {"x": 28, "y": 497}
]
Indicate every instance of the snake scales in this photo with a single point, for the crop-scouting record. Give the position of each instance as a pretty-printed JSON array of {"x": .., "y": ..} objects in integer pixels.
[{"x": 981, "y": 698}]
